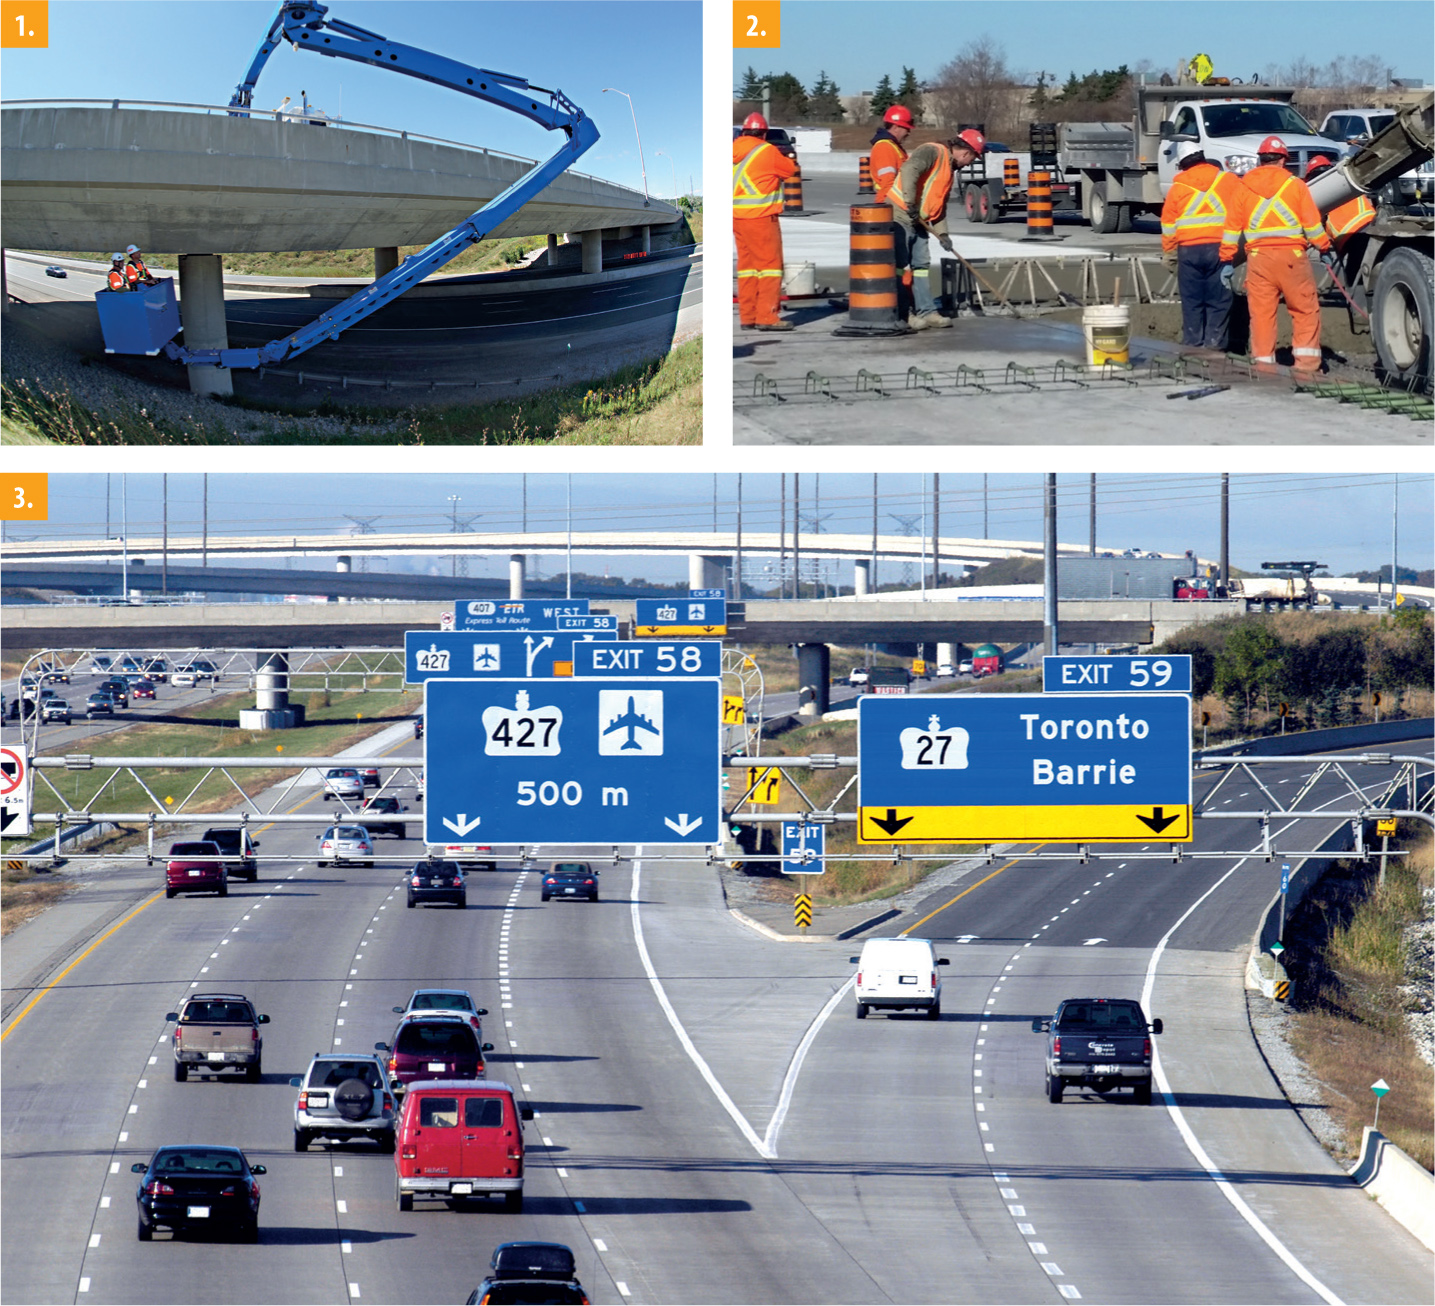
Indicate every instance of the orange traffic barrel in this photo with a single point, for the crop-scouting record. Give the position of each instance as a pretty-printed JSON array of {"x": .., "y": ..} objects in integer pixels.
[
  {"x": 1011, "y": 172},
  {"x": 872, "y": 273},
  {"x": 864, "y": 176},
  {"x": 792, "y": 193},
  {"x": 1039, "y": 225}
]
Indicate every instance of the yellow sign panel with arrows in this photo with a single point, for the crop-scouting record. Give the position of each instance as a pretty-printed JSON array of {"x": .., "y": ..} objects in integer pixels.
[
  {"x": 764, "y": 785},
  {"x": 1096, "y": 824},
  {"x": 734, "y": 710}
]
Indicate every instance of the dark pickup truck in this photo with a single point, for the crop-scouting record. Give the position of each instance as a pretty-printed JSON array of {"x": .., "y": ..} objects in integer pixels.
[{"x": 1100, "y": 1044}]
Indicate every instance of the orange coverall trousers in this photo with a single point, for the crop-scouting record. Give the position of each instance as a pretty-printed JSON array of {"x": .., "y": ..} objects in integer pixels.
[
  {"x": 759, "y": 269},
  {"x": 1272, "y": 274}
]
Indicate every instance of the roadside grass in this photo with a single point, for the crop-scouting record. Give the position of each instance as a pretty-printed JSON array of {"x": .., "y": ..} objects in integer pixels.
[
  {"x": 24, "y": 895},
  {"x": 1350, "y": 1029},
  {"x": 659, "y": 402}
]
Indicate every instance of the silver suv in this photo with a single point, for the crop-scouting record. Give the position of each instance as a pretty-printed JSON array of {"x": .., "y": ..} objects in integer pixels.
[
  {"x": 343, "y": 782},
  {"x": 341, "y": 1098}
]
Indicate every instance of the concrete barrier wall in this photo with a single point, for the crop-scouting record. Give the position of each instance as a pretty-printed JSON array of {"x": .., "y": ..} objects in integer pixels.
[
  {"x": 1401, "y": 1185},
  {"x": 1319, "y": 741}
]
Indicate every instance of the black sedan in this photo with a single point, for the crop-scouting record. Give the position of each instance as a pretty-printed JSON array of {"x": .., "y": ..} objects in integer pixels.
[
  {"x": 570, "y": 880},
  {"x": 99, "y": 705},
  {"x": 55, "y": 270},
  {"x": 198, "y": 1187},
  {"x": 437, "y": 881}
]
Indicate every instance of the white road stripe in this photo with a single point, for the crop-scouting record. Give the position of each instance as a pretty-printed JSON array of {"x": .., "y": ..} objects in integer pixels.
[
  {"x": 94, "y": 1240},
  {"x": 600, "y": 1245},
  {"x": 84, "y": 1285}
]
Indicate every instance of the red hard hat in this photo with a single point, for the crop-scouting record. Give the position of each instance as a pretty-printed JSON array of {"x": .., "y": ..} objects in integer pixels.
[
  {"x": 973, "y": 139},
  {"x": 1320, "y": 161},
  {"x": 898, "y": 116},
  {"x": 754, "y": 122},
  {"x": 1273, "y": 145}
]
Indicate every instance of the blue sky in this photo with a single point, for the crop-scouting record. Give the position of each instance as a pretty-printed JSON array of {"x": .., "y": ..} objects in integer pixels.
[
  {"x": 1343, "y": 520},
  {"x": 197, "y": 52},
  {"x": 856, "y": 41}
]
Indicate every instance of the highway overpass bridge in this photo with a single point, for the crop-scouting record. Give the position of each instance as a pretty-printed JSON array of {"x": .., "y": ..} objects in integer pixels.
[{"x": 200, "y": 182}]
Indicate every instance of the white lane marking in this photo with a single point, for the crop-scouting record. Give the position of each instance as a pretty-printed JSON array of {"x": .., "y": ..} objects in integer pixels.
[
  {"x": 1017, "y": 1210},
  {"x": 981, "y": 1106},
  {"x": 339, "y": 1020},
  {"x": 1068, "y": 1290},
  {"x": 195, "y": 985},
  {"x": 94, "y": 1240},
  {"x": 1052, "y": 1268},
  {"x": 977, "y": 1056},
  {"x": 223, "y": 942},
  {"x": 1038, "y": 1248},
  {"x": 84, "y": 1285},
  {"x": 518, "y": 1065},
  {"x": 1027, "y": 1229},
  {"x": 622, "y": 1287},
  {"x": 213, "y": 955},
  {"x": 508, "y": 1023},
  {"x": 982, "y": 1124},
  {"x": 346, "y": 1247},
  {"x": 338, "y": 1172},
  {"x": 134, "y": 1107},
  {"x": 789, "y": 1080},
  {"x": 114, "y": 1167},
  {"x": 144, "y": 1083},
  {"x": 694, "y": 1055},
  {"x": 526, "y": 1089},
  {"x": 124, "y": 1136},
  {"x": 104, "y": 1203},
  {"x": 344, "y": 1003},
  {"x": 353, "y": 1290},
  {"x": 342, "y": 1206},
  {"x": 600, "y": 1245},
  {"x": 338, "y": 1042},
  {"x": 562, "y": 1173},
  {"x": 547, "y": 1142},
  {"x": 1193, "y": 1146},
  {"x": 153, "y": 1060},
  {"x": 990, "y": 1147},
  {"x": 348, "y": 986},
  {"x": 1001, "y": 1178},
  {"x": 580, "y": 1208}
]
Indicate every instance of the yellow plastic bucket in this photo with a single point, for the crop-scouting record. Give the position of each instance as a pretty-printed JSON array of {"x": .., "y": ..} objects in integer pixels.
[{"x": 1108, "y": 333}]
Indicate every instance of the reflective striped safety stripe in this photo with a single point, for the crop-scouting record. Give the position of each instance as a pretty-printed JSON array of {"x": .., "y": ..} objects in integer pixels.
[
  {"x": 746, "y": 197},
  {"x": 1273, "y": 218},
  {"x": 1204, "y": 211},
  {"x": 759, "y": 272},
  {"x": 936, "y": 186},
  {"x": 1360, "y": 212}
]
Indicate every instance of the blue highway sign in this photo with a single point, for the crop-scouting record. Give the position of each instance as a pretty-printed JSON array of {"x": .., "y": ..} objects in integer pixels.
[
  {"x": 1068, "y": 767},
  {"x": 688, "y": 616},
  {"x": 515, "y": 614},
  {"x": 692, "y": 657},
  {"x": 466, "y": 654},
  {"x": 1168, "y": 674},
  {"x": 598, "y": 624},
  {"x": 803, "y": 844},
  {"x": 707, "y": 594},
  {"x": 566, "y": 761}
]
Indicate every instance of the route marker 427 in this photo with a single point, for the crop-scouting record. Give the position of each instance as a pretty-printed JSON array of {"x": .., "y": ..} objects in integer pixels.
[{"x": 568, "y": 761}]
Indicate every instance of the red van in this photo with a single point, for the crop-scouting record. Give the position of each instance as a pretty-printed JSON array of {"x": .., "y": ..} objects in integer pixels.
[{"x": 460, "y": 1138}]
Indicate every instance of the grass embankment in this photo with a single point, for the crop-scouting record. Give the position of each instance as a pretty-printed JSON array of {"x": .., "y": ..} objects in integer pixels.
[
  {"x": 333, "y": 721},
  {"x": 1353, "y": 981},
  {"x": 660, "y": 402}
]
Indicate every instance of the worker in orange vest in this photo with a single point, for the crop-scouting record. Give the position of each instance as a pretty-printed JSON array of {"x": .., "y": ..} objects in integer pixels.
[
  {"x": 888, "y": 154},
  {"x": 1279, "y": 220},
  {"x": 758, "y": 171},
  {"x": 135, "y": 270},
  {"x": 116, "y": 278},
  {"x": 919, "y": 207},
  {"x": 1193, "y": 222},
  {"x": 1345, "y": 223}
]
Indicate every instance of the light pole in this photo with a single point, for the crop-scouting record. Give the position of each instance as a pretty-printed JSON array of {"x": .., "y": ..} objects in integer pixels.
[
  {"x": 634, "y": 112},
  {"x": 673, "y": 170}
]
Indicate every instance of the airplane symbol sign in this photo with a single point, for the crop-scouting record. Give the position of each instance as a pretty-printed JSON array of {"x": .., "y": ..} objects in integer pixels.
[{"x": 626, "y": 714}]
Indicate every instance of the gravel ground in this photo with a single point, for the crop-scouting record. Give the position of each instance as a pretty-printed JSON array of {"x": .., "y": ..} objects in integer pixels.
[
  {"x": 1270, "y": 1023},
  {"x": 44, "y": 366},
  {"x": 1419, "y": 994}
]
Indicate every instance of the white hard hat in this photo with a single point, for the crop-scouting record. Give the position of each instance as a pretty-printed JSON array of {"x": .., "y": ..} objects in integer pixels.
[
  {"x": 1186, "y": 149},
  {"x": 117, "y": 258},
  {"x": 132, "y": 249}
]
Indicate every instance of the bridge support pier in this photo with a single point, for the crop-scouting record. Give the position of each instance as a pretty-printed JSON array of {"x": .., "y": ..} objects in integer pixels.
[
  {"x": 552, "y": 250},
  {"x": 271, "y": 710},
  {"x": 814, "y": 674},
  {"x": 201, "y": 293},
  {"x": 592, "y": 251},
  {"x": 862, "y": 577},
  {"x": 947, "y": 655},
  {"x": 647, "y": 240},
  {"x": 386, "y": 259},
  {"x": 707, "y": 571},
  {"x": 344, "y": 564},
  {"x": 516, "y": 565}
]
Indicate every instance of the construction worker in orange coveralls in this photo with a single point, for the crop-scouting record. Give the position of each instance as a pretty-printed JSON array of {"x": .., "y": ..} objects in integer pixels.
[
  {"x": 758, "y": 171},
  {"x": 135, "y": 271},
  {"x": 1345, "y": 223},
  {"x": 1279, "y": 220},
  {"x": 1193, "y": 223},
  {"x": 888, "y": 153},
  {"x": 116, "y": 279}
]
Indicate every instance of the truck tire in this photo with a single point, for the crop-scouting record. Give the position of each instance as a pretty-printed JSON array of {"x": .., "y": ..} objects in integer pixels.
[
  {"x": 970, "y": 203},
  {"x": 1402, "y": 317},
  {"x": 1124, "y": 215},
  {"x": 861, "y": 1011},
  {"x": 513, "y": 1201},
  {"x": 996, "y": 193},
  {"x": 934, "y": 1012},
  {"x": 181, "y": 1072},
  {"x": 402, "y": 831},
  {"x": 386, "y": 1142},
  {"x": 1141, "y": 1094},
  {"x": 253, "y": 1072},
  {"x": 1053, "y": 1088},
  {"x": 301, "y": 1140},
  {"x": 1104, "y": 215}
]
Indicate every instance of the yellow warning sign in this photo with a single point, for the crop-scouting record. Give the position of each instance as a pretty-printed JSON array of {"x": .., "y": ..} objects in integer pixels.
[
  {"x": 1097, "y": 824},
  {"x": 1385, "y": 825},
  {"x": 734, "y": 710},
  {"x": 764, "y": 785},
  {"x": 662, "y": 632},
  {"x": 802, "y": 911}
]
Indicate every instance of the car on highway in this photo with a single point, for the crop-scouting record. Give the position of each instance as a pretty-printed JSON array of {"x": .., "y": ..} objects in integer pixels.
[
  {"x": 54, "y": 676},
  {"x": 99, "y": 705},
  {"x": 156, "y": 669},
  {"x": 55, "y": 270},
  {"x": 439, "y": 1045},
  {"x": 447, "y": 1002},
  {"x": 183, "y": 679},
  {"x": 460, "y": 1139},
  {"x": 570, "y": 880},
  {"x": 55, "y": 709},
  {"x": 342, "y": 1098},
  {"x": 343, "y": 782},
  {"x": 857, "y": 676},
  {"x": 101, "y": 663},
  {"x": 236, "y": 843},
  {"x": 200, "y": 669},
  {"x": 193, "y": 868},
  {"x": 529, "y": 1272},
  {"x": 142, "y": 689},
  {"x": 378, "y": 806},
  {"x": 419, "y": 787},
  {"x": 118, "y": 688},
  {"x": 776, "y": 136},
  {"x": 436, "y": 880},
  {"x": 370, "y": 776},
  {"x": 198, "y": 1187},
  {"x": 1098, "y": 1044},
  {"x": 217, "y": 1031},
  {"x": 964, "y": 667},
  {"x": 897, "y": 975},
  {"x": 345, "y": 843}
]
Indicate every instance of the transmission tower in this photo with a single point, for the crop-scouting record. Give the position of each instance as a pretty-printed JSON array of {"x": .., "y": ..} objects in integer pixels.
[
  {"x": 362, "y": 526},
  {"x": 910, "y": 526}
]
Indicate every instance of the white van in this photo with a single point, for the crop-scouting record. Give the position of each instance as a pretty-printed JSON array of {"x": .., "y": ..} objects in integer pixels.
[{"x": 897, "y": 973}]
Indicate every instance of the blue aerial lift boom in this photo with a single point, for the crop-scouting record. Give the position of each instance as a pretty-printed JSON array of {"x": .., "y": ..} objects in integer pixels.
[{"x": 306, "y": 26}]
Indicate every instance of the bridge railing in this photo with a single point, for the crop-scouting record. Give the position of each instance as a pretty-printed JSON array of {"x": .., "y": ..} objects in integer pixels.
[{"x": 294, "y": 116}]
